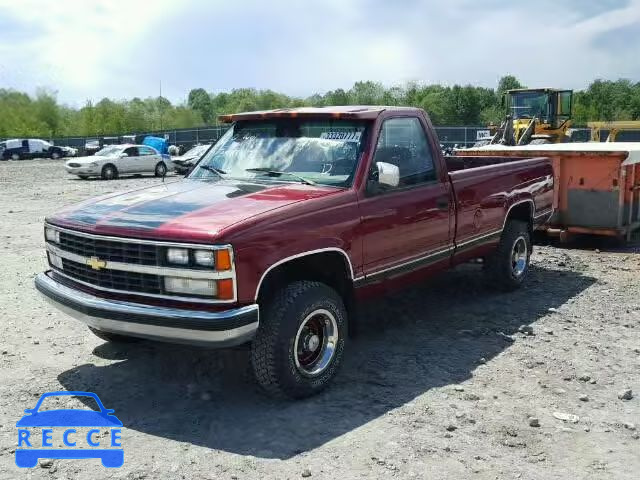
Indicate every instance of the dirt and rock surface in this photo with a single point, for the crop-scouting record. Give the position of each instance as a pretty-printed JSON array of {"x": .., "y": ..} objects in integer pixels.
[{"x": 450, "y": 380}]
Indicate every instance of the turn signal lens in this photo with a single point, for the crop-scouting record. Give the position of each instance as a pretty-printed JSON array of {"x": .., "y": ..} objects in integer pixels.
[
  {"x": 190, "y": 286},
  {"x": 223, "y": 260},
  {"x": 225, "y": 289}
]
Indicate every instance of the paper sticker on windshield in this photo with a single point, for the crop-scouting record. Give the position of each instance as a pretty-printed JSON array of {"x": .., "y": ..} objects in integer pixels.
[{"x": 344, "y": 136}]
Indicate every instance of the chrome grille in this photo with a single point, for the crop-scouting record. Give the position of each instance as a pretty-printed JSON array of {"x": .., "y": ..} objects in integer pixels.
[
  {"x": 113, "y": 279},
  {"x": 111, "y": 251}
]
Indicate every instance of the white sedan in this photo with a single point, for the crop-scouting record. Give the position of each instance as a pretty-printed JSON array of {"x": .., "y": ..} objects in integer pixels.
[{"x": 115, "y": 160}]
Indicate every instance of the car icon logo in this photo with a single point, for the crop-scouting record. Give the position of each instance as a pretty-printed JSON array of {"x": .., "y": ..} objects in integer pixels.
[
  {"x": 95, "y": 263},
  {"x": 68, "y": 420}
]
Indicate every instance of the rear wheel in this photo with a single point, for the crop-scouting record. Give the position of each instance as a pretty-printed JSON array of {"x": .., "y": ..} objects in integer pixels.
[
  {"x": 109, "y": 172},
  {"x": 300, "y": 342},
  {"x": 15, "y": 156},
  {"x": 161, "y": 169},
  {"x": 508, "y": 266},
  {"x": 113, "y": 337}
]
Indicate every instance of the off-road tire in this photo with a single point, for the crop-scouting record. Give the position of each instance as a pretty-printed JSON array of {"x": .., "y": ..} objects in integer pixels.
[
  {"x": 109, "y": 172},
  {"x": 498, "y": 266},
  {"x": 113, "y": 337},
  {"x": 272, "y": 350}
]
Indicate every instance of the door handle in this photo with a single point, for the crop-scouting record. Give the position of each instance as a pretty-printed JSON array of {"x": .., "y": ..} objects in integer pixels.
[{"x": 442, "y": 203}]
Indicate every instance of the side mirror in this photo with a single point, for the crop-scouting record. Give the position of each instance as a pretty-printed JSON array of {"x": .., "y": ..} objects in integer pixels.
[
  {"x": 388, "y": 174},
  {"x": 123, "y": 155},
  {"x": 382, "y": 177}
]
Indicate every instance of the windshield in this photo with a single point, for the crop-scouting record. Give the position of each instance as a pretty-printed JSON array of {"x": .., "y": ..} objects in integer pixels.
[
  {"x": 529, "y": 104},
  {"x": 108, "y": 151},
  {"x": 196, "y": 151},
  {"x": 289, "y": 150}
]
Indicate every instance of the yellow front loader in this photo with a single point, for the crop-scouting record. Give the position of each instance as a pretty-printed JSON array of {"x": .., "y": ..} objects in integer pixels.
[{"x": 535, "y": 116}]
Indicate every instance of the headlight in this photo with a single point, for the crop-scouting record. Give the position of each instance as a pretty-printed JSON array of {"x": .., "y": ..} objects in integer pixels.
[
  {"x": 191, "y": 286},
  {"x": 179, "y": 256},
  {"x": 52, "y": 235},
  {"x": 204, "y": 258},
  {"x": 219, "y": 259}
]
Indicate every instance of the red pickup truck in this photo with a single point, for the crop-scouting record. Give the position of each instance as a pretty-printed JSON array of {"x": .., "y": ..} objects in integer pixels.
[{"x": 284, "y": 225}]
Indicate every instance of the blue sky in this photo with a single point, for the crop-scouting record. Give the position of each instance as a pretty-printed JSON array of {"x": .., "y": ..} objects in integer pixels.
[{"x": 124, "y": 48}]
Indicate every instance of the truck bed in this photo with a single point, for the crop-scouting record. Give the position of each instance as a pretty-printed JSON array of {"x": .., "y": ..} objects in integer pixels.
[{"x": 485, "y": 188}]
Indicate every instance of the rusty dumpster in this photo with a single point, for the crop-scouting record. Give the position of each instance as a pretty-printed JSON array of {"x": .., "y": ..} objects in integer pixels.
[{"x": 597, "y": 185}]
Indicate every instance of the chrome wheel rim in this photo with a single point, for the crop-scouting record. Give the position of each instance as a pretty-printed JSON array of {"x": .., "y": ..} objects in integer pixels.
[
  {"x": 161, "y": 169},
  {"x": 315, "y": 343},
  {"x": 519, "y": 255}
]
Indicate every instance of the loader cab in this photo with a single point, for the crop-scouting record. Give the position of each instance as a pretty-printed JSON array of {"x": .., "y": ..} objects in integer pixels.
[{"x": 551, "y": 107}]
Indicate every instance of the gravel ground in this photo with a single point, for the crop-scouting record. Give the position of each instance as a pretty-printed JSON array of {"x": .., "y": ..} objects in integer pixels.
[{"x": 521, "y": 385}]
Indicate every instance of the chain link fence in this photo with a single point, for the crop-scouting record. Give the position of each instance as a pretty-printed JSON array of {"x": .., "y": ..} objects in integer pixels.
[{"x": 187, "y": 137}]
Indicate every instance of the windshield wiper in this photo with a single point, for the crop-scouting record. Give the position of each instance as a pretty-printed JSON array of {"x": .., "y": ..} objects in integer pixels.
[
  {"x": 215, "y": 170},
  {"x": 277, "y": 173}
]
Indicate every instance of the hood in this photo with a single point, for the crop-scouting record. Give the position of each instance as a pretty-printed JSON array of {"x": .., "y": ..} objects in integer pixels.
[
  {"x": 184, "y": 158},
  {"x": 187, "y": 210},
  {"x": 86, "y": 160}
]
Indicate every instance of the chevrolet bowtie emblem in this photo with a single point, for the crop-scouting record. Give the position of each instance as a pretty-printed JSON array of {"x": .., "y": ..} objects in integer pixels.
[{"x": 96, "y": 263}]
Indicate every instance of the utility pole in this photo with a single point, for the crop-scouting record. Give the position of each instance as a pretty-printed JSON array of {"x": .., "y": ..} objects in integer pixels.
[{"x": 160, "y": 104}]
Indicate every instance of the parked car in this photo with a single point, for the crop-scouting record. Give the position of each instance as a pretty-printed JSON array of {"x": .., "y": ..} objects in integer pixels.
[
  {"x": 289, "y": 221},
  {"x": 115, "y": 160},
  {"x": 91, "y": 146},
  {"x": 69, "y": 151},
  {"x": 19, "y": 149},
  {"x": 184, "y": 163}
]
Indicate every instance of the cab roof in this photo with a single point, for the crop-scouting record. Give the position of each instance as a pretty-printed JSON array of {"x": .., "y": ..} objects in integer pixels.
[
  {"x": 517, "y": 90},
  {"x": 354, "y": 112}
]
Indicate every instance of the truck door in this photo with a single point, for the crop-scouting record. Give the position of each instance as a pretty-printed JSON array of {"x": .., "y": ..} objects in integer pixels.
[{"x": 406, "y": 227}]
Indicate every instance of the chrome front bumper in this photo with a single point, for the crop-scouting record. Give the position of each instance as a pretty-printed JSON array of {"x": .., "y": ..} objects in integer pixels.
[{"x": 214, "y": 329}]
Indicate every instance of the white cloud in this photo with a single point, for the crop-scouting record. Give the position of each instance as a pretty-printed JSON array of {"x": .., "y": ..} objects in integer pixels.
[
  {"x": 75, "y": 44},
  {"x": 122, "y": 48}
]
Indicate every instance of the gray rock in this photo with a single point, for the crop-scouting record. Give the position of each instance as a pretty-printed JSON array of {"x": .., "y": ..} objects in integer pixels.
[
  {"x": 534, "y": 422},
  {"x": 451, "y": 427},
  {"x": 471, "y": 396},
  {"x": 584, "y": 378},
  {"x": 583, "y": 398},
  {"x": 626, "y": 394},
  {"x": 630, "y": 426},
  {"x": 306, "y": 473},
  {"x": 45, "y": 463}
]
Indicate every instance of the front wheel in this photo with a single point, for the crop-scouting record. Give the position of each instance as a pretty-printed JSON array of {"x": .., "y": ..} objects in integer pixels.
[
  {"x": 56, "y": 155},
  {"x": 508, "y": 266},
  {"x": 15, "y": 156},
  {"x": 109, "y": 172},
  {"x": 300, "y": 342}
]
